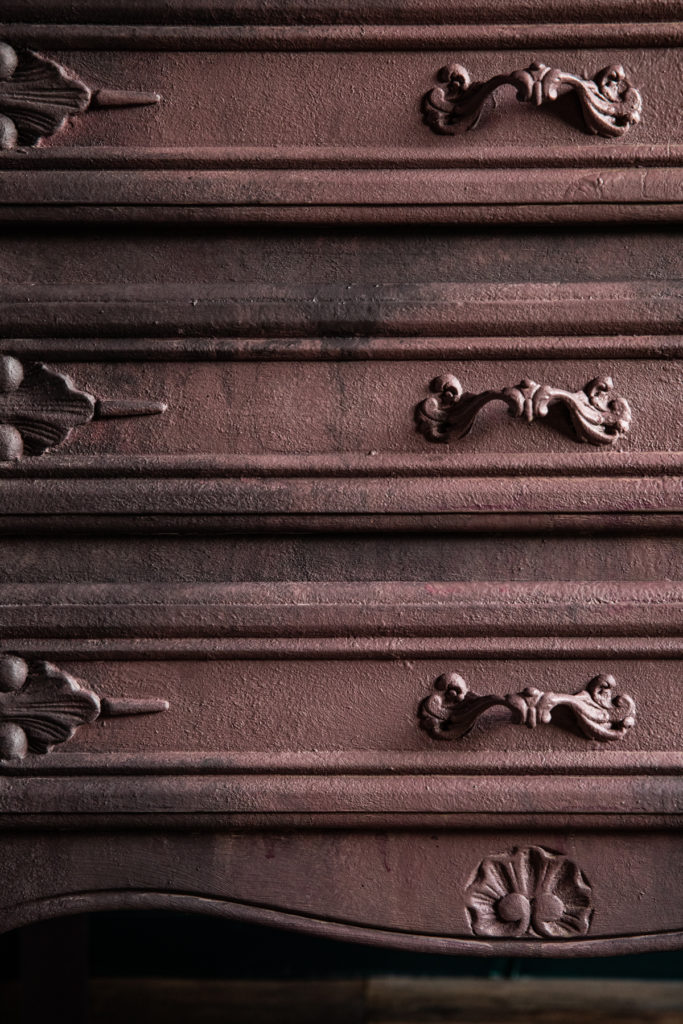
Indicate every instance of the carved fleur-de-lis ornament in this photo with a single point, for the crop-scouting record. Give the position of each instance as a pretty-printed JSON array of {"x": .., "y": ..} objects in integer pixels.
[
  {"x": 40, "y": 407},
  {"x": 42, "y": 706},
  {"x": 39, "y": 708},
  {"x": 38, "y": 96}
]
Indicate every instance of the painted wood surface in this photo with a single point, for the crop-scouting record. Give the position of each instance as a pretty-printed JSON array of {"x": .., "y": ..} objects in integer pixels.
[{"x": 220, "y": 622}]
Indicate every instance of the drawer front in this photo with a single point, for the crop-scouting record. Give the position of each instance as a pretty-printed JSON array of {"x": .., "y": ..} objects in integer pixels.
[
  {"x": 363, "y": 101},
  {"x": 268, "y": 735},
  {"x": 281, "y": 399},
  {"x": 360, "y": 101},
  {"x": 440, "y": 714},
  {"x": 305, "y": 408},
  {"x": 354, "y": 437},
  {"x": 323, "y": 117},
  {"x": 427, "y": 677}
]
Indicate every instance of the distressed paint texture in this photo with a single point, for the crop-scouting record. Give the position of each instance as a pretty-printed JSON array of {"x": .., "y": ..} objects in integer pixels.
[{"x": 276, "y": 256}]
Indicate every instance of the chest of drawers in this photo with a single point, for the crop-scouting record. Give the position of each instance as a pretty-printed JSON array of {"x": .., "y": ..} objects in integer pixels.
[{"x": 300, "y": 625}]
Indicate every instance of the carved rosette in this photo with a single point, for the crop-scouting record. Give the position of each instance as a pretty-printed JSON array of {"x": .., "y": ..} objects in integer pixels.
[
  {"x": 38, "y": 96},
  {"x": 609, "y": 102},
  {"x": 598, "y": 711},
  {"x": 598, "y": 414},
  {"x": 40, "y": 407},
  {"x": 41, "y": 706},
  {"x": 529, "y": 893}
]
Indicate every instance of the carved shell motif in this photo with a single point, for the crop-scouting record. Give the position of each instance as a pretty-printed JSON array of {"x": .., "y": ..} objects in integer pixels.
[{"x": 529, "y": 893}]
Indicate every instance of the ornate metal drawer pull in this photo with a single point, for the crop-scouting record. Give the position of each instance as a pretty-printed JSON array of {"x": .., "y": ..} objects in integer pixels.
[
  {"x": 599, "y": 415},
  {"x": 39, "y": 408},
  {"x": 609, "y": 102},
  {"x": 451, "y": 709},
  {"x": 41, "y": 706},
  {"x": 37, "y": 96}
]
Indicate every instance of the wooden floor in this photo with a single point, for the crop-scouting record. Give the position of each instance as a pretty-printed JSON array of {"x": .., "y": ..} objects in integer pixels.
[{"x": 376, "y": 1001}]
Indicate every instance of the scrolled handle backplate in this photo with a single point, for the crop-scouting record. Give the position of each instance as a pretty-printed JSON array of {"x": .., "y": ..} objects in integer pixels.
[
  {"x": 610, "y": 103},
  {"x": 598, "y": 414},
  {"x": 451, "y": 709}
]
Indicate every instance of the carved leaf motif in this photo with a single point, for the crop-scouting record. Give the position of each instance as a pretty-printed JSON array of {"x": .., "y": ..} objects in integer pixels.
[
  {"x": 43, "y": 406},
  {"x": 44, "y": 703},
  {"x": 529, "y": 893},
  {"x": 41, "y": 706},
  {"x": 40, "y": 407},
  {"x": 36, "y": 96}
]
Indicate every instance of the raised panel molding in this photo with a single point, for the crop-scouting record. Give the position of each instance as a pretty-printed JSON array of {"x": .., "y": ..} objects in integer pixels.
[
  {"x": 299, "y": 612},
  {"x": 354, "y": 28},
  {"x": 430, "y": 317}
]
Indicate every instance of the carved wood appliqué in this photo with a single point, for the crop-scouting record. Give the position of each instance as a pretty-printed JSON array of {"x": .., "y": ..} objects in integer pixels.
[
  {"x": 609, "y": 102},
  {"x": 451, "y": 709},
  {"x": 37, "y": 96},
  {"x": 529, "y": 893},
  {"x": 40, "y": 407},
  {"x": 42, "y": 706},
  {"x": 598, "y": 414}
]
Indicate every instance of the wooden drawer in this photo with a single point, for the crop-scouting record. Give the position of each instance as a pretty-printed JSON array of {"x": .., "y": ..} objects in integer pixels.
[
  {"x": 322, "y": 437},
  {"x": 350, "y": 675},
  {"x": 289, "y": 747},
  {"x": 328, "y": 116},
  {"x": 379, "y": 713},
  {"x": 283, "y": 399},
  {"x": 367, "y": 409}
]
